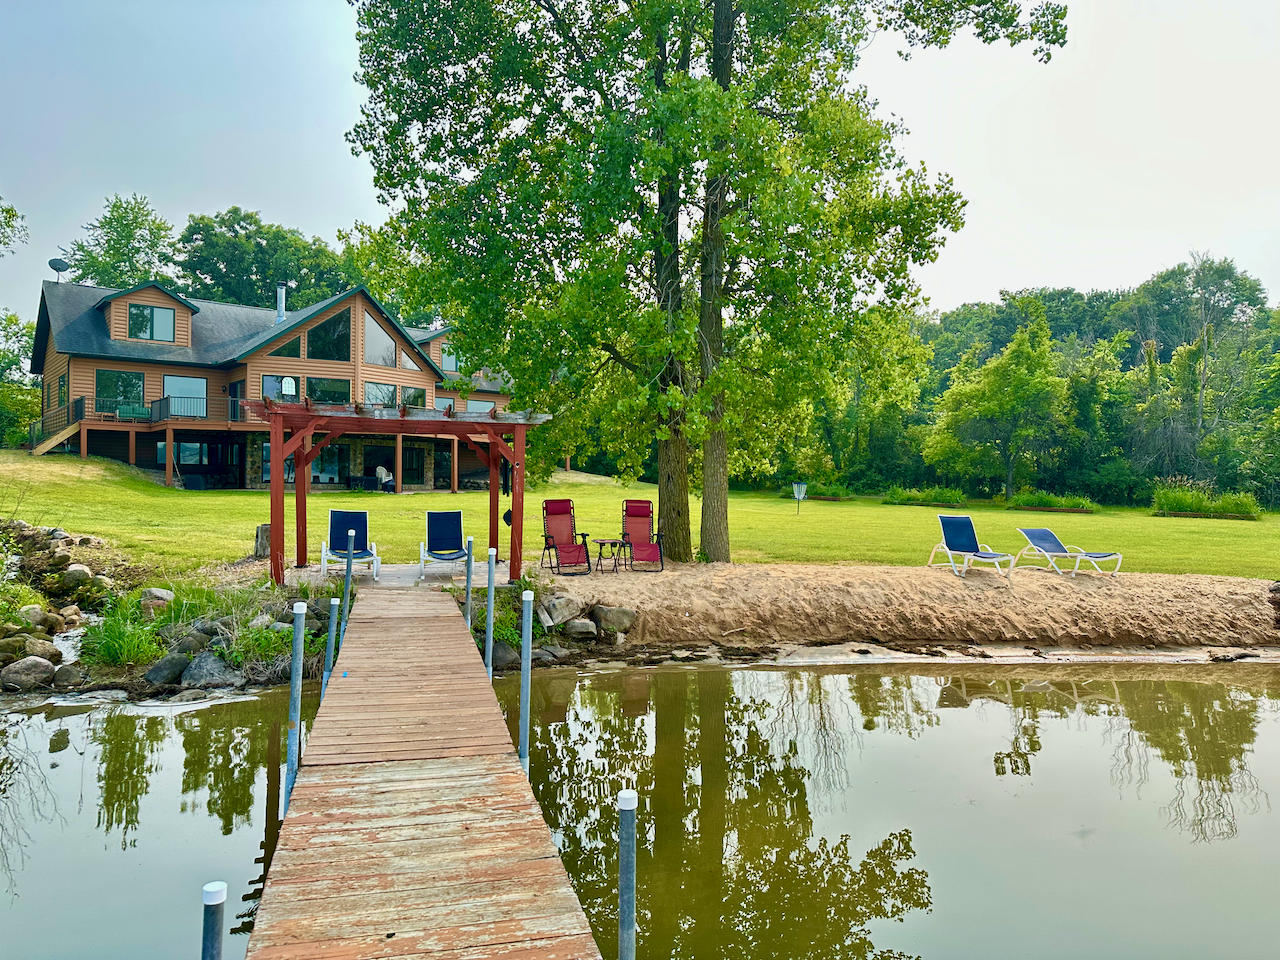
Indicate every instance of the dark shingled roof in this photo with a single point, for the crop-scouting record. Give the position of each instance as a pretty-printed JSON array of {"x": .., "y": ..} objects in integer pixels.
[
  {"x": 221, "y": 333},
  {"x": 479, "y": 381}
]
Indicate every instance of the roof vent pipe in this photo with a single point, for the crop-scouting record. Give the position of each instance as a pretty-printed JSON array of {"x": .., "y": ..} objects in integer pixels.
[{"x": 281, "y": 287}]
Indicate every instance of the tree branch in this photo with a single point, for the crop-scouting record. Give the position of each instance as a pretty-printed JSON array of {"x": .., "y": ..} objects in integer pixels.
[{"x": 618, "y": 358}]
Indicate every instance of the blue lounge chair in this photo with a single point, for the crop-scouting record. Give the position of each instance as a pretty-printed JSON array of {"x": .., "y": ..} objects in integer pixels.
[
  {"x": 334, "y": 550},
  {"x": 444, "y": 540},
  {"x": 1043, "y": 542},
  {"x": 960, "y": 544}
]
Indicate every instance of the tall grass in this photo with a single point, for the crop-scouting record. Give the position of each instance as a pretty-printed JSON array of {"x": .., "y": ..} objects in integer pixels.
[
  {"x": 122, "y": 638},
  {"x": 1185, "y": 495},
  {"x": 949, "y": 495},
  {"x": 1038, "y": 498}
]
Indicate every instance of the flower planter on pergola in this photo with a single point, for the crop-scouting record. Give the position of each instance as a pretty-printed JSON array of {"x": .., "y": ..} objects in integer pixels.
[{"x": 302, "y": 421}]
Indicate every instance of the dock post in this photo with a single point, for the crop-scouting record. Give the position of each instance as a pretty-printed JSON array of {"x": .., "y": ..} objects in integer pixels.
[
  {"x": 215, "y": 898},
  {"x": 328, "y": 647},
  {"x": 526, "y": 668},
  {"x": 466, "y": 613},
  {"x": 295, "y": 701},
  {"x": 346, "y": 587},
  {"x": 628, "y": 800},
  {"x": 488, "y": 619}
]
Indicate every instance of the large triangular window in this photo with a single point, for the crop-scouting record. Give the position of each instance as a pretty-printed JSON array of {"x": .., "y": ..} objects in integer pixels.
[{"x": 290, "y": 348}]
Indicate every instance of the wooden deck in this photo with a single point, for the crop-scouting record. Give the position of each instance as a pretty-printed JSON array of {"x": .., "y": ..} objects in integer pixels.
[{"x": 412, "y": 831}]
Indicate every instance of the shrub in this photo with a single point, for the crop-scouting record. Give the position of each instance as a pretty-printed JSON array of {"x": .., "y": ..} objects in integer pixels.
[
  {"x": 1038, "y": 498},
  {"x": 122, "y": 637},
  {"x": 928, "y": 495},
  {"x": 1185, "y": 495},
  {"x": 1240, "y": 504}
]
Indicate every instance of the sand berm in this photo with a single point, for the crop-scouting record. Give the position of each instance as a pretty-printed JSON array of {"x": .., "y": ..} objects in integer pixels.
[{"x": 746, "y": 604}]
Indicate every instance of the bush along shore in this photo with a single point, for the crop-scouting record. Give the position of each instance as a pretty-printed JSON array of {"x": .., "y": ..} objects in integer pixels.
[
  {"x": 77, "y": 616},
  {"x": 566, "y": 630}
]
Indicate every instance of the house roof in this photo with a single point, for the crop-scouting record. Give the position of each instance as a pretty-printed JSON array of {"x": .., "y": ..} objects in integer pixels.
[
  {"x": 481, "y": 381},
  {"x": 142, "y": 286},
  {"x": 221, "y": 333}
]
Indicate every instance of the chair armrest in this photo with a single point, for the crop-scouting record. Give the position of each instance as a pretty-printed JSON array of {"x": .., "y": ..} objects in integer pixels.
[
  {"x": 548, "y": 541},
  {"x": 373, "y": 548},
  {"x": 583, "y": 538},
  {"x": 986, "y": 547},
  {"x": 626, "y": 537},
  {"x": 1074, "y": 549}
]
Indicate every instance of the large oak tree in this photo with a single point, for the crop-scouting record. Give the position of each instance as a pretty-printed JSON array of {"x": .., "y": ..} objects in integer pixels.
[{"x": 665, "y": 217}]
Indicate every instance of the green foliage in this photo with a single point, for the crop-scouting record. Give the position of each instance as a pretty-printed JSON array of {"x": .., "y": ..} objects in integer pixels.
[
  {"x": 17, "y": 337},
  {"x": 127, "y": 245},
  {"x": 1038, "y": 498},
  {"x": 123, "y": 637},
  {"x": 234, "y": 257},
  {"x": 927, "y": 495},
  {"x": 14, "y": 596},
  {"x": 262, "y": 644},
  {"x": 507, "y": 608},
  {"x": 13, "y": 228},
  {"x": 1185, "y": 495}
]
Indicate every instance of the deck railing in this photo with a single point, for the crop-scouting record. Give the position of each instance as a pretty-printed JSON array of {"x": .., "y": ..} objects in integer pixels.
[{"x": 55, "y": 420}]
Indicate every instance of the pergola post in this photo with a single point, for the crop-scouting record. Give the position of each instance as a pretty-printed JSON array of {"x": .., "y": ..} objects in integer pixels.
[
  {"x": 494, "y": 457},
  {"x": 453, "y": 464},
  {"x": 169, "y": 455},
  {"x": 133, "y": 448},
  {"x": 517, "y": 507},
  {"x": 301, "y": 487},
  {"x": 277, "y": 497}
]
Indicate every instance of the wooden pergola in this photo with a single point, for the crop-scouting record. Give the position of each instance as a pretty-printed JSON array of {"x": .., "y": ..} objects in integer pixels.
[{"x": 302, "y": 421}]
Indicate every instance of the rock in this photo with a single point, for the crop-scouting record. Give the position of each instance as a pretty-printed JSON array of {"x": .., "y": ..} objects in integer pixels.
[
  {"x": 544, "y": 618},
  {"x": 14, "y": 645},
  {"x": 556, "y": 651},
  {"x": 58, "y": 559},
  {"x": 70, "y": 613},
  {"x": 33, "y": 613},
  {"x": 281, "y": 627},
  {"x": 312, "y": 625},
  {"x": 168, "y": 669},
  {"x": 150, "y": 608},
  {"x": 67, "y": 675},
  {"x": 504, "y": 656},
  {"x": 157, "y": 593},
  {"x": 261, "y": 620},
  {"x": 9, "y": 629},
  {"x": 35, "y": 647},
  {"x": 54, "y": 624},
  {"x": 221, "y": 640},
  {"x": 60, "y": 740},
  {"x": 580, "y": 629},
  {"x": 208, "y": 670},
  {"x": 192, "y": 643},
  {"x": 613, "y": 619},
  {"x": 563, "y": 608},
  {"x": 29, "y": 673},
  {"x": 172, "y": 631},
  {"x": 102, "y": 582},
  {"x": 542, "y": 654},
  {"x": 188, "y": 696},
  {"x": 6, "y": 659},
  {"x": 76, "y": 575},
  {"x": 57, "y": 533},
  {"x": 206, "y": 626},
  {"x": 111, "y": 696}
]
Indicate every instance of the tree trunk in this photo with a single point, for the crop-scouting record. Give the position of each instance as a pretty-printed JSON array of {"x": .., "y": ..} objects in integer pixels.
[
  {"x": 715, "y": 457},
  {"x": 664, "y": 878},
  {"x": 1009, "y": 463},
  {"x": 673, "y": 452}
]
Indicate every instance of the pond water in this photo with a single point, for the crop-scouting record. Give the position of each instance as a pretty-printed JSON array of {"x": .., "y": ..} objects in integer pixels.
[
  {"x": 824, "y": 813},
  {"x": 112, "y": 817},
  {"x": 1028, "y": 812}
]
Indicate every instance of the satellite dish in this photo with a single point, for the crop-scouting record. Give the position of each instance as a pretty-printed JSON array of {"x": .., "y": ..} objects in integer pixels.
[{"x": 59, "y": 267}]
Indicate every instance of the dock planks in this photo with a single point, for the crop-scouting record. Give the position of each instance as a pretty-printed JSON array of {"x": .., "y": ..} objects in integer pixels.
[{"x": 412, "y": 831}]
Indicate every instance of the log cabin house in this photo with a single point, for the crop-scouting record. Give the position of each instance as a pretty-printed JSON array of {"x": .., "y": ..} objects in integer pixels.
[{"x": 151, "y": 378}]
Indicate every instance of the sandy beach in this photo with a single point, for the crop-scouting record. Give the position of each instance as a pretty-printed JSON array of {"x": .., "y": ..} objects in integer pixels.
[{"x": 770, "y": 604}]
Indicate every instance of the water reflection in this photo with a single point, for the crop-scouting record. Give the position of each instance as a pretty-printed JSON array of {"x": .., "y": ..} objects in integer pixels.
[{"x": 754, "y": 819}]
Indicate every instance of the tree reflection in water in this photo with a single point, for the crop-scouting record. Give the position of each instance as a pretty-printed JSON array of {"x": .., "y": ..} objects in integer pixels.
[
  {"x": 128, "y": 745},
  {"x": 729, "y": 865},
  {"x": 24, "y": 794}
]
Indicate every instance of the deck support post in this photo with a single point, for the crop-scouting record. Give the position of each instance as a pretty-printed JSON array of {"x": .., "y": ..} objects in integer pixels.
[
  {"x": 400, "y": 463},
  {"x": 294, "y": 755},
  {"x": 133, "y": 448},
  {"x": 301, "y": 487},
  {"x": 84, "y": 440},
  {"x": 488, "y": 612},
  {"x": 628, "y": 800},
  {"x": 169, "y": 456},
  {"x": 214, "y": 897},
  {"x": 453, "y": 464},
  {"x": 277, "y": 497},
  {"x": 517, "y": 506}
]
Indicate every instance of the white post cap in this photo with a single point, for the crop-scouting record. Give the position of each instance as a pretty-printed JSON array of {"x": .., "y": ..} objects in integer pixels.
[
  {"x": 215, "y": 892},
  {"x": 333, "y": 602},
  {"x": 628, "y": 799},
  {"x": 493, "y": 551},
  {"x": 527, "y": 596},
  {"x": 351, "y": 532},
  {"x": 299, "y": 608},
  {"x": 471, "y": 539}
]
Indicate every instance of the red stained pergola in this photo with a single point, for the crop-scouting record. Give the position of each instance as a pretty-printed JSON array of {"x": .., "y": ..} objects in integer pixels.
[{"x": 301, "y": 421}]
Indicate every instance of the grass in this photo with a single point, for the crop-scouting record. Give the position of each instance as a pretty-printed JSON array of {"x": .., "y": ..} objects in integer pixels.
[
  {"x": 1180, "y": 495},
  {"x": 927, "y": 495},
  {"x": 122, "y": 638},
  {"x": 1038, "y": 498},
  {"x": 181, "y": 530}
]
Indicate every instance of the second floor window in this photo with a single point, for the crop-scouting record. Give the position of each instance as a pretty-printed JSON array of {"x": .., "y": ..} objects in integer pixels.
[
  {"x": 331, "y": 340},
  {"x": 290, "y": 348},
  {"x": 448, "y": 362},
  {"x": 327, "y": 390},
  {"x": 444, "y": 403},
  {"x": 379, "y": 348},
  {"x": 413, "y": 396},
  {"x": 479, "y": 406},
  {"x": 150, "y": 323},
  {"x": 384, "y": 393},
  {"x": 280, "y": 388}
]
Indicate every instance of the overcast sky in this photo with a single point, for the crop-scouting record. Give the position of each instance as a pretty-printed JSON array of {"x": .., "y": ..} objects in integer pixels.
[{"x": 1153, "y": 133}]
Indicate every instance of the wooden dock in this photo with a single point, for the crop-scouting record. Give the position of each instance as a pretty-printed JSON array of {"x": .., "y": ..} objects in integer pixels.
[{"x": 412, "y": 830}]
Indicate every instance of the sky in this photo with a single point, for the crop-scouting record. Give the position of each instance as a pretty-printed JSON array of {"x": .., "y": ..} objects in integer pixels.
[{"x": 1150, "y": 135}]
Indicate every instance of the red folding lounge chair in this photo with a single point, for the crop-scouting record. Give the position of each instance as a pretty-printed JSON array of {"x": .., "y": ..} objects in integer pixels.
[
  {"x": 561, "y": 539},
  {"x": 637, "y": 534}
]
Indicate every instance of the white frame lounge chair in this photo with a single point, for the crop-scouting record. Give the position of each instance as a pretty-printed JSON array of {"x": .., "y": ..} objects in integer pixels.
[
  {"x": 960, "y": 544},
  {"x": 444, "y": 547},
  {"x": 366, "y": 551},
  {"x": 1051, "y": 549}
]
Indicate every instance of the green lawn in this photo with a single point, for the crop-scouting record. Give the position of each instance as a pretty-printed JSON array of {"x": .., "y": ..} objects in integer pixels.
[{"x": 179, "y": 530}]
